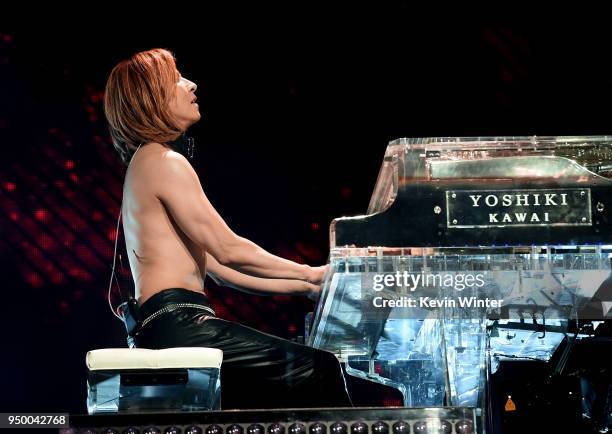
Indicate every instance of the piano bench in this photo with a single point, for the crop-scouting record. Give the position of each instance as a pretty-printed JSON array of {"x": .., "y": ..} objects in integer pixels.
[{"x": 133, "y": 380}]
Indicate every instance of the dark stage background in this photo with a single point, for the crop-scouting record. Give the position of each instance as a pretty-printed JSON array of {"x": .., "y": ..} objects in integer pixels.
[{"x": 296, "y": 119}]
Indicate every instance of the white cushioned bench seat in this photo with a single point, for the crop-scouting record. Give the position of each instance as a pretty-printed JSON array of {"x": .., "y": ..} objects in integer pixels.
[
  {"x": 133, "y": 380},
  {"x": 143, "y": 358}
]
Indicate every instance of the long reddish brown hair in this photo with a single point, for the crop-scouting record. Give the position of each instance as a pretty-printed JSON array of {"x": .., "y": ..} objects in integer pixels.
[{"x": 136, "y": 101}]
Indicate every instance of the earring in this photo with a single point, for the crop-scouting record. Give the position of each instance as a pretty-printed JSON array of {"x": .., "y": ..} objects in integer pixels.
[{"x": 190, "y": 147}]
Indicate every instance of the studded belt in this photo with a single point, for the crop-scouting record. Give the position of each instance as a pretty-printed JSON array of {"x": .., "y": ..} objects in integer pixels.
[{"x": 172, "y": 307}]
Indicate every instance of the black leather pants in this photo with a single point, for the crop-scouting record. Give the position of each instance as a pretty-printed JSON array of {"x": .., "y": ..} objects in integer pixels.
[{"x": 259, "y": 370}]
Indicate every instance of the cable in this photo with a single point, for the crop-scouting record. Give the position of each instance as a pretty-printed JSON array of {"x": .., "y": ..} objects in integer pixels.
[
  {"x": 113, "y": 275},
  {"x": 110, "y": 285}
]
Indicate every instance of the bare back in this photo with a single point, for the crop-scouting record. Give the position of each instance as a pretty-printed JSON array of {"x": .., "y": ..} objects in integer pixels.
[{"x": 160, "y": 254}]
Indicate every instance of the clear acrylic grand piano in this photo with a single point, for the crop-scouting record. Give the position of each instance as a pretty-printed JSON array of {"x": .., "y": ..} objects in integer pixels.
[{"x": 472, "y": 250}]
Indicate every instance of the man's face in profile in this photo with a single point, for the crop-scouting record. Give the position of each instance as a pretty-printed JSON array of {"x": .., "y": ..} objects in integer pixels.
[{"x": 183, "y": 106}]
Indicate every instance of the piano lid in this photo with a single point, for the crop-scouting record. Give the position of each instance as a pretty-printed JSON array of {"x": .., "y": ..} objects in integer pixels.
[{"x": 487, "y": 192}]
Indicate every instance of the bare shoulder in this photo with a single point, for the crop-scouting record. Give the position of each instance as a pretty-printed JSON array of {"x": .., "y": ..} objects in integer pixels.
[
  {"x": 167, "y": 172},
  {"x": 157, "y": 160}
]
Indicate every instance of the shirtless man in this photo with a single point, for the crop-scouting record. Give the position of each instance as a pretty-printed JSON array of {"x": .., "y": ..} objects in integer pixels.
[{"x": 174, "y": 237}]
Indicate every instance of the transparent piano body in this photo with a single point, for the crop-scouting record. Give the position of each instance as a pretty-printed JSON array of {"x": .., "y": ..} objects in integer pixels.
[{"x": 439, "y": 211}]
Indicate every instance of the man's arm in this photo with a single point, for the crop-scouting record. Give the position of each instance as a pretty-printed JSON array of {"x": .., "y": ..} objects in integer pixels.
[
  {"x": 178, "y": 188},
  {"x": 225, "y": 276}
]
